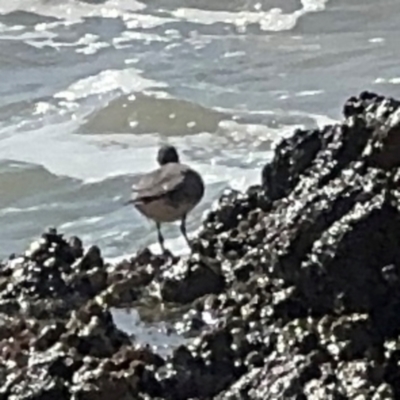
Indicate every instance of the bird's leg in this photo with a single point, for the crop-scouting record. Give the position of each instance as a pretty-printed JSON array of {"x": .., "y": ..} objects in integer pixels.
[
  {"x": 183, "y": 230},
  {"x": 160, "y": 237}
]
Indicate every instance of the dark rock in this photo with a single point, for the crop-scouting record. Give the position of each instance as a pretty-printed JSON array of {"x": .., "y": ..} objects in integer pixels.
[
  {"x": 76, "y": 246},
  {"x": 125, "y": 287},
  {"x": 91, "y": 259},
  {"x": 194, "y": 280},
  {"x": 144, "y": 257},
  {"x": 48, "y": 336},
  {"x": 100, "y": 385},
  {"x": 292, "y": 290},
  {"x": 37, "y": 384}
]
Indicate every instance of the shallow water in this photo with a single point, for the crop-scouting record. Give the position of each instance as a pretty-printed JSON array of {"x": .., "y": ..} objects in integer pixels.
[
  {"x": 158, "y": 335},
  {"x": 89, "y": 90}
]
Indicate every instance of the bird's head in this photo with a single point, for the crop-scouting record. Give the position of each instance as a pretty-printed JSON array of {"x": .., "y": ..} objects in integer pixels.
[{"x": 167, "y": 154}]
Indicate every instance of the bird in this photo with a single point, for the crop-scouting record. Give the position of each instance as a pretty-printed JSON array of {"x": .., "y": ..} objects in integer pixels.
[{"x": 168, "y": 193}]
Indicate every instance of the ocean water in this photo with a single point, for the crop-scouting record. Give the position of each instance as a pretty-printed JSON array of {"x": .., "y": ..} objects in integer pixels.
[{"x": 90, "y": 89}]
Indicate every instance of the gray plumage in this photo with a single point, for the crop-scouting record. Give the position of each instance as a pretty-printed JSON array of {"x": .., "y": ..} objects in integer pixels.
[{"x": 168, "y": 193}]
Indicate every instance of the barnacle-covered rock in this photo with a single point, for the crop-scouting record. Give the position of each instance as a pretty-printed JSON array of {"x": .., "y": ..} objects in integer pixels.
[{"x": 291, "y": 291}]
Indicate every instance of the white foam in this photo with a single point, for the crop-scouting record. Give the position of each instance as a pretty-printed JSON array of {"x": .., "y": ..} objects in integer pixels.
[
  {"x": 29, "y": 36},
  {"x": 308, "y": 93},
  {"x": 314, "y": 5},
  {"x": 128, "y": 36},
  {"x": 376, "y": 40},
  {"x": 393, "y": 81},
  {"x": 43, "y": 36},
  {"x": 83, "y": 157},
  {"x": 126, "y": 80},
  {"x": 13, "y": 28},
  {"x": 272, "y": 20},
  {"x": 142, "y": 21},
  {"x": 18, "y": 210},
  {"x": 73, "y": 10}
]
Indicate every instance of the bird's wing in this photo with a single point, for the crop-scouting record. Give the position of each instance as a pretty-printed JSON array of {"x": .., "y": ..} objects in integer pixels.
[{"x": 159, "y": 182}]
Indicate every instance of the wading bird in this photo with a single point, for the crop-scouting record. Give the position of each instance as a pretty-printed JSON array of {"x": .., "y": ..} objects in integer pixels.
[{"x": 168, "y": 193}]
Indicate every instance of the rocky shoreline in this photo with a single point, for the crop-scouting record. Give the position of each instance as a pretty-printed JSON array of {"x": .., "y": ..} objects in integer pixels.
[{"x": 292, "y": 291}]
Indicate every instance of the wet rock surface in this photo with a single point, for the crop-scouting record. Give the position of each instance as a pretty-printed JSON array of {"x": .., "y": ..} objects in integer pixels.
[{"x": 292, "y": 290}]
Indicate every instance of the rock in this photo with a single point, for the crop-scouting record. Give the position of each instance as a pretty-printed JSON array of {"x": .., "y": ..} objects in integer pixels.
[
  {"x": 125, "y": 288},
  {"x": 48, "y": 336},
  {"x": 88, "y": 357},
  {"x": 103, "y": 385},
  {"x": 91, "y": 259},
  {"x": 192, "y": 282},
  {"x": 76, "y": 246},
  {"x": 291, "y": 291}
]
